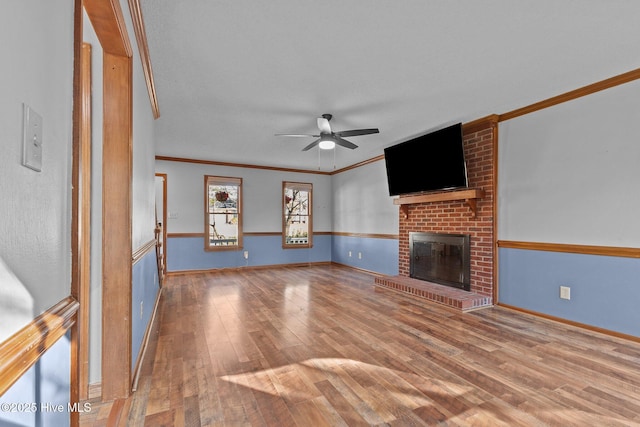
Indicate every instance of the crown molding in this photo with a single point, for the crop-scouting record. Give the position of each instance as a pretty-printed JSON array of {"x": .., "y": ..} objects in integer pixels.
[
  {"x": 574, "y": 94},
  {"x": 143, "y": 49}
]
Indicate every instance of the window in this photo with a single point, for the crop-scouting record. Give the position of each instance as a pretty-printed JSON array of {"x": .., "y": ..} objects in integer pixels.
[
  {"x": 297, "y": 227},
  {"x": 223, "y": 213}
]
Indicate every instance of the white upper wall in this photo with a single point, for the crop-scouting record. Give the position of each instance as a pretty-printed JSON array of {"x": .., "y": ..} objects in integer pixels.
[
  {"x": 361, "y": 201},
  {"x": 354, "y": 201},
  {"x": 35, "y": 207},
  {"x": 261, "y": 197},
  {"x": 570, "y": 173},
  {"x": 143, "y": 209}
]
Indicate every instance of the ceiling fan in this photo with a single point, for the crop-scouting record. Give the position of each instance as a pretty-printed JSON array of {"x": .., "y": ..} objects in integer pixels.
[{"x": 327, "y": 139}]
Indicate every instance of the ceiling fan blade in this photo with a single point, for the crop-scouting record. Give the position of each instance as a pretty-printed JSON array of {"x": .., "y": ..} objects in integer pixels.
[
  {"x": 310, "y": 146},
  {"x": 344, "y": 143},
  {"x": 323, "y": 125},
  {"x": 357, "y": 132},
  {"x": 297, "y": 135}
]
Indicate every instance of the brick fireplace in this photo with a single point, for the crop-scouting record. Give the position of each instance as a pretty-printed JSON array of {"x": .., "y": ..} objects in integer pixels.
[{"x": 456, "y": 216}]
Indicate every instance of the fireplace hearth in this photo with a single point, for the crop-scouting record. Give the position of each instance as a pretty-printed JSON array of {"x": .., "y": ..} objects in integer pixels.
[{"x": 441, "y": 258}]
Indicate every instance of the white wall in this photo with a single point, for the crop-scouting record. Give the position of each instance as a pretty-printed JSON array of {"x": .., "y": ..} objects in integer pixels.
[
  {"x": 262, "y": 196},
  {"x": 570, "y": 173},
  {"x": 362, "y": 203},
  {"x": 35, "y": 219},
  {"x": 143, "y": 209}
]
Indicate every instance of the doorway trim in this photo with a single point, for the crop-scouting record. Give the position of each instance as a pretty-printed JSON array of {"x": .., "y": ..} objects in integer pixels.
[{"x": 108, "y": 22}]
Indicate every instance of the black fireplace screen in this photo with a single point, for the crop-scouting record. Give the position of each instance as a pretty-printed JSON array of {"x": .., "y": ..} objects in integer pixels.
[{"x": 441, "y": 258}]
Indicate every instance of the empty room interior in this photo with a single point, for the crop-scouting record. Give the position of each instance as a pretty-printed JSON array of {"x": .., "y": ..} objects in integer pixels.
[{"x": 296, "y": 213}]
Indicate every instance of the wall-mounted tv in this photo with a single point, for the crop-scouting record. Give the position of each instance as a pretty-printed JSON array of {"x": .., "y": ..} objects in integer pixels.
[{"x": 434, "y": 161}]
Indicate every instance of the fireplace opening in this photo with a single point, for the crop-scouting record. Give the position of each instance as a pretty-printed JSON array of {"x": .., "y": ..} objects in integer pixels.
[{"x": 441, "y": 258}]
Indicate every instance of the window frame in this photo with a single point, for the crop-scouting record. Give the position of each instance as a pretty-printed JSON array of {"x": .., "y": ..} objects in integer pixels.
[
  {"x": 210, "y": 180},
  {"x": 304, "y": 186}
]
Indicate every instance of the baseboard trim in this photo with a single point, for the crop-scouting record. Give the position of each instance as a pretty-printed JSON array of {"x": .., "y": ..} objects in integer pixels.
[
  {"x": 266, "y": 267},
  {"x": 151, "y": 327},
  {"x": 572, "y": 323},
  {"x": 95, "y": 391},
  {"x": 361, "y": 270},
  {"x": 246, "y": 267}
]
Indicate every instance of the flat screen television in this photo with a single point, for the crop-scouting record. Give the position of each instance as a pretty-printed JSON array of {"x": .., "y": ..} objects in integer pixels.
[{"x": 434, "y": 161}]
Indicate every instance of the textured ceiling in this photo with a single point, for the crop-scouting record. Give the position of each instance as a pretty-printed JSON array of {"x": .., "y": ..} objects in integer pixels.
[{"x": 230, "y": 74}]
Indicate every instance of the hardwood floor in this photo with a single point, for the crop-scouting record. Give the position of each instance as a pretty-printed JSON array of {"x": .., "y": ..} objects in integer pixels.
[{"x": 320, "y": 346}]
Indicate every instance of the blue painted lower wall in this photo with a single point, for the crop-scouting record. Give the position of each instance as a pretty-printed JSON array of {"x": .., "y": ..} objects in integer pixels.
[
  {"x": 41, "y": 397},
  {"x": 378, "y": 254},
  {"x": 187, "y": 253},
  {"x": 605, "y": 290},
  {"x": 144, "y": 291},
  {"x": 43, "y": 392}
]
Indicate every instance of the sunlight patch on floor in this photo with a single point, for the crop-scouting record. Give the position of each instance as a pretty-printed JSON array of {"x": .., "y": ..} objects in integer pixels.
[
  {"x": 379, "y": 392},
  {"x": 377, "y": 386}
]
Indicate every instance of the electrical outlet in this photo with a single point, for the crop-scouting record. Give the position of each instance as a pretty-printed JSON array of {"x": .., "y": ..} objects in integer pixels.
[
  {"x": 565, "y": 292},
  {"x": 359, "y": 255},
  {"x": 141, "y": 309},
  {"x": 173, "y": 215},
  {"x": 349, "y": 254},
  {"x": 246, "y": 254}
]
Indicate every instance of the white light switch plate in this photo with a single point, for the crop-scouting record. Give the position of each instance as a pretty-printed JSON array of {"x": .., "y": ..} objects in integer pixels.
[{"x": 32, "y": 139}]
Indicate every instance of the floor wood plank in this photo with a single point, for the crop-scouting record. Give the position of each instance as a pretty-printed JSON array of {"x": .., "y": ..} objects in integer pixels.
[{"x": 321, "y": 345}]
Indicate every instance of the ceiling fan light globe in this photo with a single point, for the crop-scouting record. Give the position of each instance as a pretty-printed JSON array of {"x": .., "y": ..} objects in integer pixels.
[{"x": 327, "y": 144}]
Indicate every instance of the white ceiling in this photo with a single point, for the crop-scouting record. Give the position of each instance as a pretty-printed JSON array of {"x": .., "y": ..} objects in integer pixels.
[{"x": 230, "y": 74}]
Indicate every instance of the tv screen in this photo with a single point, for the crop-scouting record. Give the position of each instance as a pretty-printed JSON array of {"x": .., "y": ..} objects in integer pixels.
[{"x": 434, "y": 161}]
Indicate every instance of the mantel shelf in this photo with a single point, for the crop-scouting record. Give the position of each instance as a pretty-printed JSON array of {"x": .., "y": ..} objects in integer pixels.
[{"x": 469, "y": 195}]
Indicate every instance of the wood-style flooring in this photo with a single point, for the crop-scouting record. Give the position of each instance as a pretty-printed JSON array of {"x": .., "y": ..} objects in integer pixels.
[{"x": 321, "y": 346}]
